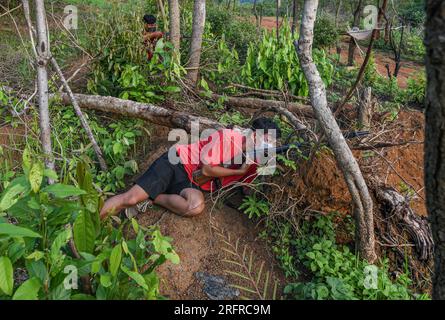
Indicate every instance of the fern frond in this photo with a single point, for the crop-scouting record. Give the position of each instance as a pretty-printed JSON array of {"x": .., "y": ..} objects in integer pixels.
[
  {"x": 232, "y": 262},
  {"x": 243, "y": 260},
  {"x": 243, "y": 288},
  {"x": 240, "y": 275}
]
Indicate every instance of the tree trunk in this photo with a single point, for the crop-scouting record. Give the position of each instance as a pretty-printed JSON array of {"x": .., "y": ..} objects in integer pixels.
[
  {"x": 163, "y": 15},
  {"x": 365, "y": 109},
  {"x": 145, "y": 111},
  {"x": 434, "y": 137},
  {"x": 356, "y": 23},
  {"x": 277, "y": 17},
  {"x": 362, "y": 202},
  {"x": 43, "y": 56},
  {"x": 175, "y": 31},
  {"x": 294, "y": 17},
  {"x": 199, "y": 16}
]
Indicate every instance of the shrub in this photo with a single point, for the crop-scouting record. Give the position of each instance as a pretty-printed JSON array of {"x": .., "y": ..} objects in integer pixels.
[
  {"x": 237, "y": 31},
  {"x": 57, "y": 237},
  {"x": 273, "y": 64},
  {"x": 325, "y": 32},
  {"x": 337, "y": 273}
]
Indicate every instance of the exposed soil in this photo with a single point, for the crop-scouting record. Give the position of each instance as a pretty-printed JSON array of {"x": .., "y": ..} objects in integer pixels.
[{"x": 409, "y": 69}]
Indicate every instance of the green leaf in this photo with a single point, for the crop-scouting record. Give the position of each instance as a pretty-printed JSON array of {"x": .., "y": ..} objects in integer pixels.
[
  {"x": 50, "y": 174},
  {"x": 6, "y": 275},
  {"x": 61, "y": 240},
  {"x": 105, "y": 280},
  {"x": 82, "y": 296},
  {"x": 136, "y": 277},
  {"x": 115, "y": 259},
  {"x": 36, "y": 176},
  {"x": 26, "y": 160},
  {"x": 15, "y": 231},
  {"x": 16, "y": 189},
  {"x": 36, "y": 256},
  {"x": 62, "y": 191},
  {"x": 84, "y": 233},
  {"x": 29, "y": 290}
]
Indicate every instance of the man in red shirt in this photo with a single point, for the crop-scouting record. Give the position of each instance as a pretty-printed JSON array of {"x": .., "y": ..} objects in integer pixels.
[
  {"x": 150, "y": 35},
  {"x": 169, "y": 180}
]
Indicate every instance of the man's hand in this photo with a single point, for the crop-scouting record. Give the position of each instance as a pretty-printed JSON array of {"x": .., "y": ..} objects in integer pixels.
[{"x": 244, "y": 168}]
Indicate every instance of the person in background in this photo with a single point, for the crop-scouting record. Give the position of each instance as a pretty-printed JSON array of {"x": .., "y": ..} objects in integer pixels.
[{"x": 150, "y": 35}]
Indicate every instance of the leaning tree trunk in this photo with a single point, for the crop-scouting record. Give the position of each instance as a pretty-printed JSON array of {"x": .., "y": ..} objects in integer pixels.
[
  {"x": 362, "y": 202},
  {"x": 43, "y": 56},
  {"x": 356, "y": 23},
  {"x": 199, "y": 16},
  {"x": 434, "y": 137},
  {"x": 175, "y": 33}
]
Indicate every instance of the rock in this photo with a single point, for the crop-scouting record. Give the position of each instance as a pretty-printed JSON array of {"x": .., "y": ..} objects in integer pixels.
[{"x": 216, "y": 287}]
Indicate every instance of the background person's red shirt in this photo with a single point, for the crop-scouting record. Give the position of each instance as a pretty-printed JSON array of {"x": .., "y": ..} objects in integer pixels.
[{"x": 219, "y": 148}]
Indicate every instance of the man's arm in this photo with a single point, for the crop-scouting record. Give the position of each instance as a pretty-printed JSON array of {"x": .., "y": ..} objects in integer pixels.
[{"x": 219, "y": 172}]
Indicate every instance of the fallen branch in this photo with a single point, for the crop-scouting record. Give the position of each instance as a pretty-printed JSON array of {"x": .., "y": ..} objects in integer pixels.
[
  {"x": 254, "y": 103},
  {"x": 265, "y": 92},
  {"x": 383, "y": 145},
  {"x": 155, "y": 114}
]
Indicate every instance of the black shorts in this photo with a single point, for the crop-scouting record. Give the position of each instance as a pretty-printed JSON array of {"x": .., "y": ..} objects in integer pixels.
[{"x": 164, "y": 177}]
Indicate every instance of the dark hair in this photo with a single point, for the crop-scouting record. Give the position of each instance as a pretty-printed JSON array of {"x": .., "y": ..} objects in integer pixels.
[
  {"x": 266, "y": 124},
  {"x": 149, "y": 19}
]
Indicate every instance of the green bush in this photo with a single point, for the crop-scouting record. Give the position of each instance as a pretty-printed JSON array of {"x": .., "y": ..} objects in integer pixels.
[
  {"x": 336, "y": 272},
  {"x": 57, "y": 248},
  {"x": 325, "y": 33},
  {"x": 273, "y": 64},
  {"x": 237, "y": 31}
]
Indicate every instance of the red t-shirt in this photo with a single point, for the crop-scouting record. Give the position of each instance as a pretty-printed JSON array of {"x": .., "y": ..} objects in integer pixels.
[{"x": 219, "y": 148}]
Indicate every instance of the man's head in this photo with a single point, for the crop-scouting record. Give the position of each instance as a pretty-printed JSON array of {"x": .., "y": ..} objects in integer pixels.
[
  {"x": 266, "y": 130},
  {"x": 149, "y": 22}
]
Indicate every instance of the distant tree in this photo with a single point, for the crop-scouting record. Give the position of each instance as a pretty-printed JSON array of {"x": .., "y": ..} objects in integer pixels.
[
  {"x": 175, "y": 31},
  {"x": 199, "y": 16},
  {"x": 434, "y": 137}
]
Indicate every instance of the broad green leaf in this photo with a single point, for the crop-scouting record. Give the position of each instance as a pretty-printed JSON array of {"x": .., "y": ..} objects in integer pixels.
[
  {"x": 61, "y": 240},
  {"x": 136, "y": 277},
  {"x": 16, "y": 189},
  {"x": 37, "y": 269},
  {"x": 16, "y": 231},
  {"x": 62, "y": 191},
  {"x": 105, "y": 280},
  {"x": 115, "y": 259},
  {"x": 36, "y": 256},
  {"x": 36, "y": 176},
  {"x": 50, "y": 174},
  {"x": 6, "y": 276},
  {"x": 26, "y": 160},
  {"x": 84, "y": 233},
  {"x": 29, "y": 290}
]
